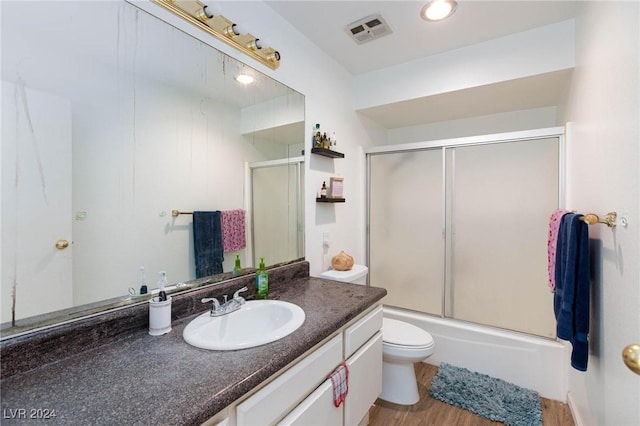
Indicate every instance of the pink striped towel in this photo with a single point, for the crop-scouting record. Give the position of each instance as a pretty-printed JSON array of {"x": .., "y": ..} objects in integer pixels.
[
  {"x": 340, "y": 381},
  {"x": 233, "y": 236},
  {"x": 552, "y": 240}
]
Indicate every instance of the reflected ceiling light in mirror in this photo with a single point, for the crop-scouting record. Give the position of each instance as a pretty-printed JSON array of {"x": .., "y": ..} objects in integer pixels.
[
  {"x": 245, "y": 79},
  {"x": 436, "y": 10},
  {"x": 208, "y": 18}
]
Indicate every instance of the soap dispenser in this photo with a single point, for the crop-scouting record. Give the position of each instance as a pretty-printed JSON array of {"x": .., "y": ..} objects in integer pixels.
[
  {"x": 262, "y": 281},
  {"x": 237, "y": 270}
]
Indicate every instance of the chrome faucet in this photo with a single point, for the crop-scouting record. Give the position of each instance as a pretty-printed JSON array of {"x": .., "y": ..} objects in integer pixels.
[{"x": 226, "y": 307}]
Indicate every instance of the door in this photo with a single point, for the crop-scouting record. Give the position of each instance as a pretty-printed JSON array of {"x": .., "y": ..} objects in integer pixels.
[{"x": 36, "y": 202}]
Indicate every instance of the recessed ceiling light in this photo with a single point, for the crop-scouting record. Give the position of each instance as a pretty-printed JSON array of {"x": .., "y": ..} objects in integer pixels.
[
  {"x": 245, "y": 79},
  {"x": 436, "y": 10}
]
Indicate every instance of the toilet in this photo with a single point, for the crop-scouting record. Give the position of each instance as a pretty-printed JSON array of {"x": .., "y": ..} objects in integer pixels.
[{"x": 403, "y": 344}]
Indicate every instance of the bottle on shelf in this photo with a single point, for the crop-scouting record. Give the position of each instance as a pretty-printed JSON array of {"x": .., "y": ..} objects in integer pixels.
[
  {"x": 325, "y": 141},
  {"x": 316, "y": 136},
  {"x": 323, "y": 190}
]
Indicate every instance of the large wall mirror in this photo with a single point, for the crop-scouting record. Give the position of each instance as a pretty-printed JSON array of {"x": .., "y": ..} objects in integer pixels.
[{"x": 111, "y": 119}]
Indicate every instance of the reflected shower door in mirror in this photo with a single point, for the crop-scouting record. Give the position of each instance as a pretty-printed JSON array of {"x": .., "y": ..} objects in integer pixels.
[
  {"x": 277, "y": 210},
  {"x": 108, "y": 125}
]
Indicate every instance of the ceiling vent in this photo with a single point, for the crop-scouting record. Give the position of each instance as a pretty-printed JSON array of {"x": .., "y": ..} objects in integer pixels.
[{"x": 367, "y": 29}]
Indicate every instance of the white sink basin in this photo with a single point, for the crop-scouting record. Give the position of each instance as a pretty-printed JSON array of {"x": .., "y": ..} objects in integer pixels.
[{"x": 256, "y": 323}]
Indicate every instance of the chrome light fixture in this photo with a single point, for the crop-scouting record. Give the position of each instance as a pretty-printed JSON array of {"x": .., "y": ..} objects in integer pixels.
[
  {"x": 209, "y": 20},
  {"x": 436, "y": 10}
]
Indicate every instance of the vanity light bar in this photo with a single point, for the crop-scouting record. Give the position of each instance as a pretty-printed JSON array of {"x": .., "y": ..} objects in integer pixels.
[{"x": 223, "y": 29}]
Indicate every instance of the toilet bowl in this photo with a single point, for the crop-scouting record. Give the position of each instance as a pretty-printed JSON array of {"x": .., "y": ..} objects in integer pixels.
[{"x": 403, "y": 344}]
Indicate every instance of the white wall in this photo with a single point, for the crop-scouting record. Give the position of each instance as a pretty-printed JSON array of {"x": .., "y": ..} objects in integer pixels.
[
  {"x": 513, "y": 121},
  {"x": 538, "y": 51},
  {"x": 604, "y": 176}
]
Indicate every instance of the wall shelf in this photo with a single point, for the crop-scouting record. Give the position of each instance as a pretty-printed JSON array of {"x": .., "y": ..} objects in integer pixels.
[
  {"x": 330, "y": 200},
  {"x": 327, "y": 153}
]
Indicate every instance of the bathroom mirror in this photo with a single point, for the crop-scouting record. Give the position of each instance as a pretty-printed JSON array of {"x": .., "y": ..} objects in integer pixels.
[{"x": 112, "y": 119}]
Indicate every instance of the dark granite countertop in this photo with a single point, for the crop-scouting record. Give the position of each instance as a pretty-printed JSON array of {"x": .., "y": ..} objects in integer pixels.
[{"x": 141, "y": 379}]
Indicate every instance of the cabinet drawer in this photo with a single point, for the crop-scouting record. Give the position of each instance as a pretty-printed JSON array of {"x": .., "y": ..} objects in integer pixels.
[
  {"x": 275, "y": 400},
  {"x": 316, "y": 409},
  {"x": 356, "y": 335},
  {"x": 365, "y": 380}
]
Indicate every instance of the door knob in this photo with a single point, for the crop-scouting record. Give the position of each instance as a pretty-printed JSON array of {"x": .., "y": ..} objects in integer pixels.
[
  {"x": 631, "y": 357},
  {"x": 62, "y": 244}
]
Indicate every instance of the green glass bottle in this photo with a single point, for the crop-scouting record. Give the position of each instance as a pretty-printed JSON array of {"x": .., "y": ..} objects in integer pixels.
[
  {"x": 238, "y": 268},
  {"x": 262, "y": 281}
]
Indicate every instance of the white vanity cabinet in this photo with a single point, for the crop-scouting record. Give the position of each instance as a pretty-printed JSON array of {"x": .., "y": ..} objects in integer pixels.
[
  {"x": 363, "y": 355},
  {"x": 303, "y": 395},
  {"x": 316, "y": 409}
]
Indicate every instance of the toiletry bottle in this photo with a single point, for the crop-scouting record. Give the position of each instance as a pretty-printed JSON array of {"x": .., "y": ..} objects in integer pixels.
[
  {"x": 316, "y": 136},
  {"x": 323, "y": 190},
  {"x": 143, "y": 281},
  {"x": 162, "y": 282},
  {"x": 237, "y": 269},
  {"x": 262, "y": 281},
  {"x": 325, "y": 141}
]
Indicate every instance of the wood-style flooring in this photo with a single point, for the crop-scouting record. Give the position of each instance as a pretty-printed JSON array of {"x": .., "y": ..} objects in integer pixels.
[{"x": 429, "y": 411}]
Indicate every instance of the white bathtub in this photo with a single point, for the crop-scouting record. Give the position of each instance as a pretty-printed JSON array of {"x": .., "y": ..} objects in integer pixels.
[{"x": 527, "y": 361}]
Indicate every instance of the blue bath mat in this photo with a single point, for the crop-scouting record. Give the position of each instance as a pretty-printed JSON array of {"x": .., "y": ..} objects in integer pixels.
[{"x": 487, "y": 396}]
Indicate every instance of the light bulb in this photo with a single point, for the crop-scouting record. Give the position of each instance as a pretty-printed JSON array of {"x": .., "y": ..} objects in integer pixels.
[
  {"x": 240, "y": 28},
  {"x": 245, "y": 79},
  {"x": 436, "y": 10},
  {"x": 211, "y": 9}
]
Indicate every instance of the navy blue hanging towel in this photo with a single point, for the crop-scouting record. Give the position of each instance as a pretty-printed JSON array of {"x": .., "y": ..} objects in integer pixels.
[
  {"x": 571, "y": 297},
  {"x": 207, "y": 243}
]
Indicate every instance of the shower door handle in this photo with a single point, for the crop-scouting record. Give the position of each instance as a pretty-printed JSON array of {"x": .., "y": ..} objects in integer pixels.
[{"x": 631, "y": 357}]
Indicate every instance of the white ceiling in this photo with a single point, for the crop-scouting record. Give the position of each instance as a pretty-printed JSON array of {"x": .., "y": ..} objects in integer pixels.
[{"x": 475, "y": 21}]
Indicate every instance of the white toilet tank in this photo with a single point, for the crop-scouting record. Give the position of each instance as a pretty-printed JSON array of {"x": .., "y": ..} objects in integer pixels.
[{"x": 356, "y": 275}]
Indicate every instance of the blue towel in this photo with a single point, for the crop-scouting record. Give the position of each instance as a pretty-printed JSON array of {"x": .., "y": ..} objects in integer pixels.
[
  {"x": 571, "y": 298},
  {"x": 207, "y": 243}
]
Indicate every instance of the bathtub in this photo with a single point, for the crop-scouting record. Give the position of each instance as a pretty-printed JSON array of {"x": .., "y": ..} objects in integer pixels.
[{"x": 528, "y": 361}]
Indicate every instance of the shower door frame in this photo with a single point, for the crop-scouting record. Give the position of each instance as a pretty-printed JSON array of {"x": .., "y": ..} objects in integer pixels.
[{"x": 443, "y": 145}]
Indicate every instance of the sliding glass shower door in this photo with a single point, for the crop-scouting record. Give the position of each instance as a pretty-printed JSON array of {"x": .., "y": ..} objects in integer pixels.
[
  {"x": 406, "y": 255},
  {"x": 500, "y": 197},
  {"x": 460, "y": 231}
]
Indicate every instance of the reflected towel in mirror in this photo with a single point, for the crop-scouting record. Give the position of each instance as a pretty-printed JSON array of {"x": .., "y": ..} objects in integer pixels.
[
  {"x": 207, "y": 243},
  {"x": 233, "y": 226}
]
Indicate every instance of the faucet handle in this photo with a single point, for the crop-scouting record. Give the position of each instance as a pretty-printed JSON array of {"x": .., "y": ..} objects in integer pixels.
[
  {"x": 216, "y": 304},
  {"x": 236, "y": 295}
]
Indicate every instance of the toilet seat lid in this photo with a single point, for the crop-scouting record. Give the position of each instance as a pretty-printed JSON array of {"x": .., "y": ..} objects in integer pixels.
[{"x": 404, "y": 334}]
